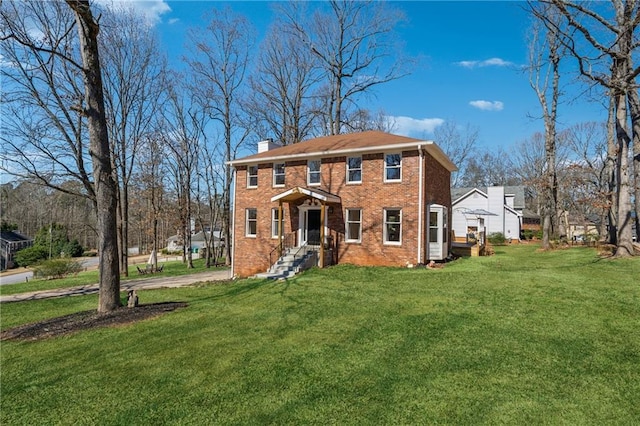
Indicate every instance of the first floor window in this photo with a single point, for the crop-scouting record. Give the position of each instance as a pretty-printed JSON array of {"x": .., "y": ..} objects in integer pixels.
[
  {"x": 278, "y": 174},
  {"x": 252, "y": 222},
  {"x": 354, "y": 225},
  {"x": 392, "y": 226},
  {"x": 313, "y": 172},
  {"x": 252, "y": 176},
  {"x": 275, "y": 223}
]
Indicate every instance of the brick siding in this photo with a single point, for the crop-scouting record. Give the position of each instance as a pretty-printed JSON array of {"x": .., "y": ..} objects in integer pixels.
[{"x": 373, "y": 195}]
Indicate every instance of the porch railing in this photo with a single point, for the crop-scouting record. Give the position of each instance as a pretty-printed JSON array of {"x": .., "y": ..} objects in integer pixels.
[{"x": 288, "y": 241}]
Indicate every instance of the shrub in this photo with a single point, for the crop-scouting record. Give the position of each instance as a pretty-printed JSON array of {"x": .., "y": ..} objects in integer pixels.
[
  {"x": 73, "y": 249},
  {"x": 496, "y": 238},
  {"x": 31, "y": 255},
  {"x": 57, "y": 268}
]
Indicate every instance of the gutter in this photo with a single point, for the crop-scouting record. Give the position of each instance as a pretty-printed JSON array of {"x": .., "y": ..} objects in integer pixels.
[
  {"x": 233, "y": 224},
  {"x": 420, "y": 205},
  {"x": 431, "y": 147}
]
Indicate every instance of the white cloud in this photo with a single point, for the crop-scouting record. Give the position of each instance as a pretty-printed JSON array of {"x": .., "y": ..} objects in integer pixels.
[
  {"x": 491, "y": 62},
  {"x": 173, "y": 21},
  {"x": 416, "y": 127},
  {"x": 152, "y": 10},
  {"x": 487, "y": 105}
]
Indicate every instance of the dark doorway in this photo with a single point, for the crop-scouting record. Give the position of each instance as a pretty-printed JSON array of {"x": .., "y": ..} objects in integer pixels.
[{"x": 313, "y": 227}]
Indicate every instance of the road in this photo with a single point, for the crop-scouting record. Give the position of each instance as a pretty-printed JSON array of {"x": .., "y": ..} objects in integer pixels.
[
  {"x": 12, "y": 277},
  {"x": 136, "y": 284}
]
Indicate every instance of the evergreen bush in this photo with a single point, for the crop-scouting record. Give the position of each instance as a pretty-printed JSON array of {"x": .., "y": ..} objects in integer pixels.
[{"x": 57, "y": 268}]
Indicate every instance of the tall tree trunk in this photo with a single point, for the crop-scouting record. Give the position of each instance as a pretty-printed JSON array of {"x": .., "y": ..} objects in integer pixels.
[
  {"x": 634, "y": 109},
  {"x": 612, "y": 148},
  {"x": 105, "y": 186},
  {"x": 624, "y": 247},
  {"x": 124, "y": 254}
]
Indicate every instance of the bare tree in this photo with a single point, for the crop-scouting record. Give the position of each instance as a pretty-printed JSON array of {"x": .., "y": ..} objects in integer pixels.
[
  {"x": 587, "y": 177},
  {"x": 603, "y": 42},
  {"x": 353, "y": 42},
  {"x": 282, "y": 88},
  {"x": 219, "y": 64},
  {"x": 151, "y": 173},
  {"x": 134, "y": 73},
  {"x": 46, "y": 76},
  {"x": 106, "y": 188},
  {"x": 545, "y": 52},
  {"x": 362, "y": 120},
  {"x": 43, "y": 131},
  {"x": 459, "y": 144},
  {"x": 488, "y": 168},
  {"x": 184, "y": 124}
]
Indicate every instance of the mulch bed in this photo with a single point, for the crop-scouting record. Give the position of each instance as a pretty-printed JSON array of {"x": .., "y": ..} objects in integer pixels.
[{"x": 87, "y": 320}]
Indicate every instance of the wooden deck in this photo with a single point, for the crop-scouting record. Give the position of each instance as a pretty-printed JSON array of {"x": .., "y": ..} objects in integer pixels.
[{"x": 467, "y": 249}]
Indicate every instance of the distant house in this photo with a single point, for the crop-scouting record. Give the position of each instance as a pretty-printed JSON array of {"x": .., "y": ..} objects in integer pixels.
[
  {"x": 174, "y": 243},
  {"x": 10, "y": 243},
  {"x": 368, "y": 198},
  {"x": 497, "y": 209}
]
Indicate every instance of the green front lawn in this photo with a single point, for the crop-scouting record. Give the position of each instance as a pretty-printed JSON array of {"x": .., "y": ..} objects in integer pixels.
[{"x": 521, "y": 337}]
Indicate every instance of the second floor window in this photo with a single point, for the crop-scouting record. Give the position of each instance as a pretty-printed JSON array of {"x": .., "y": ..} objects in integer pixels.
[
  {"x": 252, "y": 176},
  {"x": 278, "y": 174},
  {"x": 313, "y": 172},
  {"x": 251, "y": 225},
  {"x": 392, "y": 167},
  {"x": 354, "y": 169}
]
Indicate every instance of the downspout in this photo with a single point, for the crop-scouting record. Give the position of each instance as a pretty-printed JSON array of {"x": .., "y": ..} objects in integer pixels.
[
  {"x": 280, "y": 226},
  {"x": 420, "y": 206},
  {"x": 322, "y": 219},
  {"x": 233, "y": 224}
]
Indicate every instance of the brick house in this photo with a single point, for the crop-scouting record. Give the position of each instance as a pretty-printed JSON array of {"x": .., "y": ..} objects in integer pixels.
[{"x": 372, "y": 198}]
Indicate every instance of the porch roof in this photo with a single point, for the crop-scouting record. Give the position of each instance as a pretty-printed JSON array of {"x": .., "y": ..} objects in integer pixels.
[{"x": 298, "y": 192}]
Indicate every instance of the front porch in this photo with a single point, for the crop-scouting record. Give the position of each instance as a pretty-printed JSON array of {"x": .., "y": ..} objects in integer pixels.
[{"x": 311, "y": 235}]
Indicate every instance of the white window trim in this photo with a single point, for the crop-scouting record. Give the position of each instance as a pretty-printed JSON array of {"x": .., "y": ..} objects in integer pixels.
[
  {"x": 246, "y": 223},
  {"x": 385, "y": 166},
  {"x": 354, "y": 182},
  {"x": 346, "y": 216},
  {"x": 250, "y": 175},
  {"x": 385, "y": 240},
  {"x": 279, "y": 185},
  {"x": 309, "y": 173},
  {"x": 274, "y": 232}
]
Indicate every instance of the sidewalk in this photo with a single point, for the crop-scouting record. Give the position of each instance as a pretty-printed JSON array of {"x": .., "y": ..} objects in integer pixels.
[{"x": 137, "y": 284}]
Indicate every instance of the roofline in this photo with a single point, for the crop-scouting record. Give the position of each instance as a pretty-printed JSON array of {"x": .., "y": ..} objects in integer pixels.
[
  {"x": 431, "y": 147},
  {"x": 320, "y": 195},
  {"x": 468, "y": 193}
]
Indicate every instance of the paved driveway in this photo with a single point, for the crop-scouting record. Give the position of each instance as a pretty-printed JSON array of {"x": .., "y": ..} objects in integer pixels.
[{"x": 137, "y": 284}]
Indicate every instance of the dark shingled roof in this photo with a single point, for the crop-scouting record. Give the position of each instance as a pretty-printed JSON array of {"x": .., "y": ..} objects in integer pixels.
[{"x": 12, "y": 236}]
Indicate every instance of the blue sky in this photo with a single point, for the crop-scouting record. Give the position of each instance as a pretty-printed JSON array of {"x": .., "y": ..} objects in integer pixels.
[{"x": 471, "y": 72}]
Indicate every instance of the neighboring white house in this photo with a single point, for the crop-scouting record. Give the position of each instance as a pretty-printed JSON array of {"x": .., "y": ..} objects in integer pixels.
[
  {"x": 496, "y": 208},
  {"x": 174, "y": 243}
]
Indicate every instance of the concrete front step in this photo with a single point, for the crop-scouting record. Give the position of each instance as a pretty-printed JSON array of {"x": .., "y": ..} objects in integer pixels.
[{"x": 286, "y": 267}]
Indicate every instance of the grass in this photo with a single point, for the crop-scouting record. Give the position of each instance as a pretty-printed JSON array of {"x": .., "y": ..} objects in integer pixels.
[
  {"x": 521, "y": 337},
  {"x": 171, "y": 269}
]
